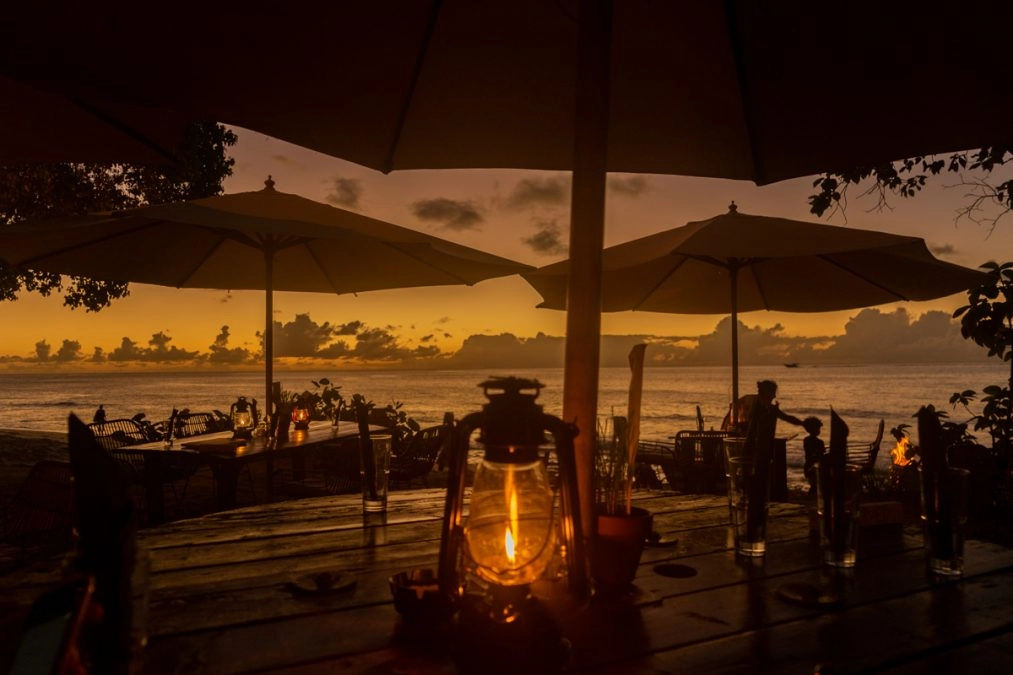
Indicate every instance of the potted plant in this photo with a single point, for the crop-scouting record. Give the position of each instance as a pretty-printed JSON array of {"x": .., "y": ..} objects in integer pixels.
[{"x": 621, "y": 528}]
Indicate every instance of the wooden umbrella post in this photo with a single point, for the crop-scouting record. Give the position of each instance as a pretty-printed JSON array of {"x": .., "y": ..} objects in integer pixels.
[{"x": 587, "y": 236}]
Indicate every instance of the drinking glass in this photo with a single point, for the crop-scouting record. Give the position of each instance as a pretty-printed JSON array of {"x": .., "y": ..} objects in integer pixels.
[
  {"x": 748, "y": 501},
  {"x": 944, "y": 519},
  {"x": 375, "y": 471},
  {"x": 837, "y": 506}
]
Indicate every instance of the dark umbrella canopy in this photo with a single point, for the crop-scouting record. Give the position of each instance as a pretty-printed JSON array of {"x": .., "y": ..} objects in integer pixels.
[
  {"x": 735, "y": 89},
  {"x": 39, "y": 126},
  {"x": 265, "y": 240},
  {"x": 738, "y": 89},
  {"x": 738, "y": 263}
]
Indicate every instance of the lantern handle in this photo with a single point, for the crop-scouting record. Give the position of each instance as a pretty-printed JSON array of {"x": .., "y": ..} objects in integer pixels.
[
  {"x": 453, "y": 516},
  {"x": 563, "y": 434}
]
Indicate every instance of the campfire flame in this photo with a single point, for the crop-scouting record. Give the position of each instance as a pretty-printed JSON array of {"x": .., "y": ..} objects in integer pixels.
[{"x": 901, "y": 452}]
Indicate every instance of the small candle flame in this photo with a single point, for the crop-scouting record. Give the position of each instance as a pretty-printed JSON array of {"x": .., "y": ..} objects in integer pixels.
[{"x": 510, "y": 541}]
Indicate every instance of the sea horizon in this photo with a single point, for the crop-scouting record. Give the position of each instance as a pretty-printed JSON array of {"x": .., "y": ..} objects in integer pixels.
[{"x": 861, "y": 394}]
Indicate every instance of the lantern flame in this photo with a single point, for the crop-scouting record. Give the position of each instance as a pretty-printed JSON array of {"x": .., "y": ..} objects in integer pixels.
[{"x": 510, "y": 541}]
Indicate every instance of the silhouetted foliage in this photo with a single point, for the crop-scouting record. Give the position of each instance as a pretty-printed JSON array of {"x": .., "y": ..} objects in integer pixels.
[
  {"x": 988, "y": 201},
  {"x": 36, "y": 192}
]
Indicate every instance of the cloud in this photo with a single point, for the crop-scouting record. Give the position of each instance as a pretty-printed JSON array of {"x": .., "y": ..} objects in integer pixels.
[
  {"x": 70, "y": 350},
  {"x": 219, "y": 353},
  {"x": 350, "y": 328},
  {"x": 345, "y": 192},
  {"x": 536, "y": 192},
  {"x": 42, "y": 351},
  {"x": 943, "y": 249},
  {"x": 449, "y": 214},
  {"x": 547, "y": 239},
  {"x": 301, "y": 337},
  {"x": 628, "y": 186}
]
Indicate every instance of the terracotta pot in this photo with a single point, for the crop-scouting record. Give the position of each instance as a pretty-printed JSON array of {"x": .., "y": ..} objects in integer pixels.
[{"x": 618, "y": 544}]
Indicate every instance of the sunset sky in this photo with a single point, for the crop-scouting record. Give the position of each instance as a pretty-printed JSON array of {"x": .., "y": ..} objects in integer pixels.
[{"x": 520, "y": 215}]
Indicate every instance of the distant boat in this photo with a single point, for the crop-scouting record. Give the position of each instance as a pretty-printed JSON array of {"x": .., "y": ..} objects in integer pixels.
[{"x": 791, "y": 365}]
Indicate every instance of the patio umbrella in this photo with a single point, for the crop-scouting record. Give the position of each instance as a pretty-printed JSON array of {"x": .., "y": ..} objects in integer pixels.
[
  {"x": 736, "y": 262},
  {"x": 39, "y": 126},
  {"x": 264, "y": 240},
  {"x": 735, "y": 89}
]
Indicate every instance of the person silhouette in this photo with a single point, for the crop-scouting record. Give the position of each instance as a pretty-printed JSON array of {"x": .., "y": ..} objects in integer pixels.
[
  {"x": 814, "y": 448},
  {"x": 100, "y": 415}
]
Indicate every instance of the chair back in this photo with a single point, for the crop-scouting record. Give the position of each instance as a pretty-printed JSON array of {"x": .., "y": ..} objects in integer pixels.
[
  {"x": 187, "y": 424},
  {"x": 41, "y": 513},
  {"x": 418, "y": 459},
  {"x": 118, "y": 433}
]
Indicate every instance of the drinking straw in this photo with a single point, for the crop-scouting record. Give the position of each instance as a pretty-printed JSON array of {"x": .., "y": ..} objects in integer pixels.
[{"x": 837, "y": 460}]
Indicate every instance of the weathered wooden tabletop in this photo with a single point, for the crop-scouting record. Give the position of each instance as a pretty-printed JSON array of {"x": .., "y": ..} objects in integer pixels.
[{"x": 221, "y": 599}]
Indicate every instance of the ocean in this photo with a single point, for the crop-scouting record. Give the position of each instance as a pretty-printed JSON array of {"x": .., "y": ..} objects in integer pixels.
[{"x": 860, "y": 394}]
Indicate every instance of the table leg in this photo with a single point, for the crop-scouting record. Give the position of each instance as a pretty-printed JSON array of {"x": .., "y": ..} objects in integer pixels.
[{"x": 154, "y": 496}]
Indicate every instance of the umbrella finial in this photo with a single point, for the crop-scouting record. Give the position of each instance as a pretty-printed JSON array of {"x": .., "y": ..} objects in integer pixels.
[
  {"x": 269, "y": 184},
  {"x": 732, "y": 208}
]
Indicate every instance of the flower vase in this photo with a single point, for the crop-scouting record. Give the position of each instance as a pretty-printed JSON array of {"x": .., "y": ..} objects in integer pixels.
[{"x": 618, "y": 544}]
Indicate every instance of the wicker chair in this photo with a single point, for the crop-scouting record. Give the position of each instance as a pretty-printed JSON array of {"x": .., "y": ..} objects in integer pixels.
[
  {"x": 700, "y": 461},
  {"x": 116, "y": 437},
  {"x": 40, "y": 516},
  {"x": 118, "y": 433},
  {"x": 417, "y": 460},
  {"x": 865, "y": 454},
  {"x": 187, "y": 424}
]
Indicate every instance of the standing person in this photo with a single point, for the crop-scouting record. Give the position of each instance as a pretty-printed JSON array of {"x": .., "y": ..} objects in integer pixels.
[
  {"x": 814, "y": 448},
  {"x": 100, "y": 415}
]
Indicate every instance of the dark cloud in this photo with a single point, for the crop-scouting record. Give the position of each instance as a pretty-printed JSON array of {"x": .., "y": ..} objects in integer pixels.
[
  {"x": 547, "y": 239},
  {"x": 350, "y": 328},
  {"x": 506, "y": 350},
  {"x": 42, "y": 351},
  {"x": 70, "y": 350},
  {"x": 628, "y": 186},
  {"x": 539, "y": 192},
  {"x": 943, "y": 249},
  {"x": 873, "y": 336},
  {"x": 98, "y": 356},
  {"x": 127, "y": 351},
  {"x": 449, "y": 214},
  {"x": 345, "y": 193},
  {"x": 301, "y": 337},
  {"x": 219, "y": 353}
]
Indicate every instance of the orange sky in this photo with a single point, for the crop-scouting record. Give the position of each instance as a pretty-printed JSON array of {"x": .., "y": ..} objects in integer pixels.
[{"x": 496, "y": 211}]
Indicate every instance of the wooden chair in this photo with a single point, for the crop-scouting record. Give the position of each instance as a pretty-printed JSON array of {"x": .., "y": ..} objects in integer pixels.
[
  {"x": 40, "y": 516},
  {"x": 700, "y": 461},
  {"x": 417, "y": 460},
  {"x": 865, "y": 454}
]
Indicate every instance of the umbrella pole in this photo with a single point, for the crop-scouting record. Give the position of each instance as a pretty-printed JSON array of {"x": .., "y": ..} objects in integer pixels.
[
  {"x": 587, "y": 227},
  {"x": 733, "y": 271},
  {"x": 269, "y": 330}
]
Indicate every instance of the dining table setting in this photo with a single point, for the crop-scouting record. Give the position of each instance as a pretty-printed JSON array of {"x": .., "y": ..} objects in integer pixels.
[{"x": 307, "y": 587}]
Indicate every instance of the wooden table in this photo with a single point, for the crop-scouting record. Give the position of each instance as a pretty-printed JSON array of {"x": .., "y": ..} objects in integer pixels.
[
  {"x": 226, "y": 458},
  {"x": 219, "y": 601}
]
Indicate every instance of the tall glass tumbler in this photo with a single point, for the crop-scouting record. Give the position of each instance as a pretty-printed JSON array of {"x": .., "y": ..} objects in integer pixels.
[
  {"x": 375, "y": 472},
  {"x": 748, "y": 501},
  {"x": 944, "y": 519},
  {"x": 838, "y": 500}
]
